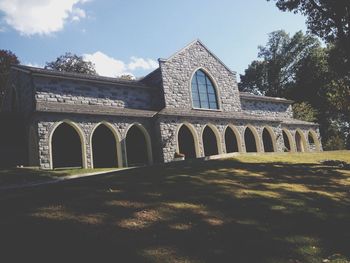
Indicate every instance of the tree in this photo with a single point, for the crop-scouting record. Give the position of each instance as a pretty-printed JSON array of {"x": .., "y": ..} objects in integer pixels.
[
  {"x": 281, "y": 56},
  {"x": 72, "y": 63},
  {"x": 7, "y": 58},
  {"x": 126, "y": 77},
  {"x": 328, "y": 19},
  {"x": 304, "y": 111}
]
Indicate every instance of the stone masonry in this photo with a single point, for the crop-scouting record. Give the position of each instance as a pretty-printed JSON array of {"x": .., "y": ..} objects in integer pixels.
[{"x": 159, "y": 104}]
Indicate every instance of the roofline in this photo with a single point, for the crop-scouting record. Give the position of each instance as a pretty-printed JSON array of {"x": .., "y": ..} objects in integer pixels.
[
  {"x": 79, "y": 76},
  {"x": 200, "y": 42},
  {"x": 249, "y": 96}
]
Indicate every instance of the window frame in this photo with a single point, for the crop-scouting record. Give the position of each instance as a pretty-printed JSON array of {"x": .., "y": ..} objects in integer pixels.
[{"x": 214, "y": 86}]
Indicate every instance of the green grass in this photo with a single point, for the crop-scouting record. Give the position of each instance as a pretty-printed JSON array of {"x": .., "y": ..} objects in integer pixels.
[{"x": 251, "y": 208}]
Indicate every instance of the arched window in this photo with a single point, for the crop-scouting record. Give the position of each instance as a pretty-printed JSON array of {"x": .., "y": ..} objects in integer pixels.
[{"x": 203, "y": 92}]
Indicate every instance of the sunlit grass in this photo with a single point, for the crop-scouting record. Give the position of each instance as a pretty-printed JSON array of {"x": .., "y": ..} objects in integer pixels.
[{"x": 252, "y": 208}]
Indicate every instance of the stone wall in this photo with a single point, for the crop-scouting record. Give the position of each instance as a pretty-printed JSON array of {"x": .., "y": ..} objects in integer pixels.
[
  {"x": 177, "y": 74},
  {"x": 88, "y": 93},
  {"x": 46, "y": 123},
  {"x": 19, "y": 94},
  {"x": 267, "y": 108},
  {"x": 170, "y": 125}
]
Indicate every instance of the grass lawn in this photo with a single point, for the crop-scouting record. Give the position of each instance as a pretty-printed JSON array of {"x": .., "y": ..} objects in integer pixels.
[{"x": 251, "y": 208}]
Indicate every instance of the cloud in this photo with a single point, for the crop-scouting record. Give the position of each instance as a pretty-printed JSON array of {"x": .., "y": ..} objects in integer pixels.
[
  {"x": 42, "y": 17},
  {"x": 142, "y": 63},
  {"x": 36, "y": 65},
  {"x": 112, "y": 67},
  {"x": 105, "y": 65}
]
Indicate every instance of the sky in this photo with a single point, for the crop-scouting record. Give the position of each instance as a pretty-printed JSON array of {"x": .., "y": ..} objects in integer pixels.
[{"x": 128, "y": 36}]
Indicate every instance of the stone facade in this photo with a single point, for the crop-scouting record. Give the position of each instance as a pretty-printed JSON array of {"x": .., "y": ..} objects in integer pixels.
[{"x": 159, "y": 105}]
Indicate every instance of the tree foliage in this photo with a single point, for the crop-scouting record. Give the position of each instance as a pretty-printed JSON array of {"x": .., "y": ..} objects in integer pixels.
[
  {"x": 328, "y": 19},
  {"x": 72, "y": 63},
  {"x": 280, "y": 57},
  {"x": 298, "y": 68},
  {"x": 7, "y": 58},
  {"x": 304, "y": 111}
]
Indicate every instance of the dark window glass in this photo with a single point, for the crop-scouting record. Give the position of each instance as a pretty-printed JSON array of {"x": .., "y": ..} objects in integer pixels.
[{"x": 203, "y": 92}]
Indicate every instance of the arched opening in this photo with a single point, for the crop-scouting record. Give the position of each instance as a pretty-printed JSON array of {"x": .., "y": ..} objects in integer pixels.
[
  {"x": 104, "y": 148},
  {"x": 250, "y": 140},
  {"x": 138, "y": 148},
  {"x": 313, "y": 141},
  {"x": 268, "y": 141},
  {"x": 66, "y": 147},
  {"x": 231, "y": 140},
  {"x": 210, "y": 142},
  {"x": 287, "y": 141},
  {"x": 300, "y": 141},
  {"x": 186, "y": 142}
]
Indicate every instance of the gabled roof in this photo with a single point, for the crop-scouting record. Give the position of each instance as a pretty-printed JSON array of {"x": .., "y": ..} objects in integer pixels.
[{"x": 197, "y": 41}]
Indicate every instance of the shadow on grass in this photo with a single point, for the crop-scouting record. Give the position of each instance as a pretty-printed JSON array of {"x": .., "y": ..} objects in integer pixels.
[{"x": 215, "y": 211}]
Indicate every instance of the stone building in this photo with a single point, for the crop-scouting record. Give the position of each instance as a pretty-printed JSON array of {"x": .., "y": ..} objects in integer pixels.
[{"x": 190, "y": 104}]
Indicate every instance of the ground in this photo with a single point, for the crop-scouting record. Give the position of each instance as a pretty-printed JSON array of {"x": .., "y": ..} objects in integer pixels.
[{"x": 251, "y": 208}]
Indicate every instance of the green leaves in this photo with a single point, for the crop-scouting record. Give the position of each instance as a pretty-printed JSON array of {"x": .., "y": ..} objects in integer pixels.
[{"x": 72, "y": 63}]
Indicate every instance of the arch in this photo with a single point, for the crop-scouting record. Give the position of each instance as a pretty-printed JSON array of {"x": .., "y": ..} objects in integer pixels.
[
  {"x": 203, "y": 90},
  {"x": 107, "y": 139},
  {"x": 251, "y": 139},
  {"x": 68, "y": 150},
  {"x": 184, "y": 145},
  {"x": 269, "y": 139},
  {"x": 312, "y": 136},
  {"x": 211, "y": 140},
  {"x": 288, "y": 140},
  {"x": 138, "y": 146},
  {"x": 233, "y": 142},
  {"x": 300, "y": 141}
]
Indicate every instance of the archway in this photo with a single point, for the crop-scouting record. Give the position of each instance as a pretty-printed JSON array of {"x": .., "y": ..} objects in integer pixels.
[
  {"x": 232, "y": 141},
  {"x": 210, "y": 142},
  {"x": 104, "y": 147},
  {"x": 251, "y": 140},
  {"x": 66, "y": 147},
  {"x": 287, "y": 139},
  {"x": 313, "y": 141},
  {"x": 186, "y": 142},
  {"x": 300, "y": 141},
  {"x": 268, "y": 138},
  {"x": 138, "y": 146}
]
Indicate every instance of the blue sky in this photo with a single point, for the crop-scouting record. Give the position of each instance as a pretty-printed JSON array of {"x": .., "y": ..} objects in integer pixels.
[{"x": 128, "y": 36}]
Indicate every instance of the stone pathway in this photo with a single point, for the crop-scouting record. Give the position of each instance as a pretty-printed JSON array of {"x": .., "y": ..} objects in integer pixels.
[{"x": 54, "y": 179}]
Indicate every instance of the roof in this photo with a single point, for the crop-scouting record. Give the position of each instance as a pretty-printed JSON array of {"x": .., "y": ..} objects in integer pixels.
[
  {"x": 80, "y": 76},
  {"x": 197, "y": 41},
  {"x": 92, "y": 110},
  {"x": 230, "y": 115},
  {"x": 249, "y": 96}
]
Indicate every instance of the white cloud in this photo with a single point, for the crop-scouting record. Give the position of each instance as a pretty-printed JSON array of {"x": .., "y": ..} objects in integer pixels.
[
  {"x": 35, "y": 65},
  {"x": 142, "y": 63},
  {"x": 112, "y": 67},
  {"x": 42, "y": 17},
  {"x": 77, "y": 14},
  {"x": 105, "y": 65}
]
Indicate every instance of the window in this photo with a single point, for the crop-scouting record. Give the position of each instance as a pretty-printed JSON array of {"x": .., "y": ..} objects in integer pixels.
[{"x": 203, "y": 92}]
